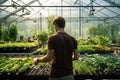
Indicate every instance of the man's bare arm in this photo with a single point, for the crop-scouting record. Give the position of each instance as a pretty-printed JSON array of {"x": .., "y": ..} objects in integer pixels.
[
  {"x": 75, "y": 55},
  {"x": 47, "y": 58}
]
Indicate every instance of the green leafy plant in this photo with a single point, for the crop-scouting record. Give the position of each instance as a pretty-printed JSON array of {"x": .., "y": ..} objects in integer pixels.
[
  {"x": 51, "y": 29},
  {"x": 103, "y": 65},
  {"x": 111, "y": 31},
  {"x": 81, "y": 68},
  {"x": 81, "y": 41},
  {"x": 13, "y": 31},
  {"x": 119, "y": 38},
  {"x": 21, "y": 37},
  {"x": 0, "y": 30},
  {"x": 97, "y": 40},
  {"x": 42, "y": 50},
  {"x": 19, "y": 44},
  {"x": 42, "y": 37},
  {"x": 85, "y": 49},
  {"x": 5, "y": 35},
  {"x": 16, "y": 65},
  {"x": 102, "y": 40},
  {"x": 98, "y": 44}
]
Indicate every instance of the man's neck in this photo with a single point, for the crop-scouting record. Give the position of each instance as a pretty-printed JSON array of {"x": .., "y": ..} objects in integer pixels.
[{"x": 60, "y": 30}]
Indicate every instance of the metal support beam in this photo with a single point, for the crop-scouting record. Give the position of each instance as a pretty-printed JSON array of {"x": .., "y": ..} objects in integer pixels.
[
  {"x": 15, "y": 5},
  {"x": 25, "y": 3},
  {"x": 9, "y": 12},
  {"x": 7, "y": 16},
  {"x": 113, "y": 3},
  {"x": 100, "y": 9},
  {"x": 59, "y": 6},
  {"x": 40, "y": 3},
  {"x": 107, "y": 8},
  {"x": 93, "y": 6},
  {"x": 74, "y": 19},
  {"x": 75, "y": 2}
]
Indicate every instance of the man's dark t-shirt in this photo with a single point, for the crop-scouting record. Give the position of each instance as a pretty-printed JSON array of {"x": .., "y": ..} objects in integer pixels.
[{"x": 63, "y": 45}]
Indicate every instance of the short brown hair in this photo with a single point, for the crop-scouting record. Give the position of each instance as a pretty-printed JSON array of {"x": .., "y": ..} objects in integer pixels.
[{"x": 60, "y": 21}]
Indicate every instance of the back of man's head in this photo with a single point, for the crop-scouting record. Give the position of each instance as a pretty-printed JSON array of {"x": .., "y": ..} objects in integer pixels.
[{"x": 60, "y": 21}]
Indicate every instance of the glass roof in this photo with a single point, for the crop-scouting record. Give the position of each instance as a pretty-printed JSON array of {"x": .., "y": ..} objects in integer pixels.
[{"x": 21, "y": 10}]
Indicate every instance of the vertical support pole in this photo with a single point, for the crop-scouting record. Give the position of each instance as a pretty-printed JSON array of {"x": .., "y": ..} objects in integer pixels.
[
  {"x": 48, "y": 12},
  {"x": 40, "y": 21},
  {"x": 35, "y": 21},
  {"x": 79, "y": 19},
  {"x": 56, "y": 11},
  {"x": 81, "y": 22},
  {"x": 61, "y": 8},
  {"x": 70, "y": 21},
  {"x": 104, "y": 24}
]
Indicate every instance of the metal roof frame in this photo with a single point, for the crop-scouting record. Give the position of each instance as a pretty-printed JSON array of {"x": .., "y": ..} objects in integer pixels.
[
  {"x": 71, "y": 3},
  {"x": 3, "y": 1}
]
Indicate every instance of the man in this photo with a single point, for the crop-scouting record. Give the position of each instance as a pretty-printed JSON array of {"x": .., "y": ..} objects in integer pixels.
[{"x": 62, "y": 50}]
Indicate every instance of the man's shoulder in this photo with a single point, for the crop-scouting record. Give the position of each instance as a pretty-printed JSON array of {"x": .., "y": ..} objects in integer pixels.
[
  {"x": 52, "y": 36},
  {"x": 71, "y": 36}
]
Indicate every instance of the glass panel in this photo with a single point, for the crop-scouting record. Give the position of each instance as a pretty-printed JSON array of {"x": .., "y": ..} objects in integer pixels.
[{"x": 3, "y": 13}]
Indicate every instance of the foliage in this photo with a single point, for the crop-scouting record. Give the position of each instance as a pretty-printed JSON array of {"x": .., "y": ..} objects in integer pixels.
[
  {"x": 85, "y": 49},
  {"x": 5, "y": 35},
  {"x": 81, "y": 41},
  {"x": 42, "y": 37},
  {"x": 97, "y": 40},
  {"x": 19, "y": 44},
  {"x": 110, "y": 31},
  {"x": 91, "y": 41},
  {"x": 97, "y": 44},
  {"x": 119, "y": 38},
  {"x": 100, "y": 29},
  {"x": 13, "y": 66},
  {"x": 21, "y": 37},
  {"x": 42, "y": 50},
  {"x": 103, "y": 49},
  {"x": 97, "y": 65},
  {"x": 81, "y": 68},
  {"x": 102, "y": 40},
  {"x": 92, "y": 31},
  {"x": 114, "y": 29},
  {"x": 0, "y": 30},
  {"x": 51, "y": 29},
  {"x": 13, "y": 31},
  {"x": 93, "y": 49},
  {"x": 89, "y": 65},
  {"x": 103, "y": 65}
]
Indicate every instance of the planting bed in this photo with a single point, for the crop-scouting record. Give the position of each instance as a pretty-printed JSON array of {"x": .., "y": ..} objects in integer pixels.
[
  {"x": 43, "y": 74},
  {"x": 18, "y": 48},
  {"x": 90, "y": 66}
]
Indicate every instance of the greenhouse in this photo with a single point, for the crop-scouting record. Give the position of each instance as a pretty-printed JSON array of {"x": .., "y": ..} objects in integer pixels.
[{"x": 26, "y": 25}]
